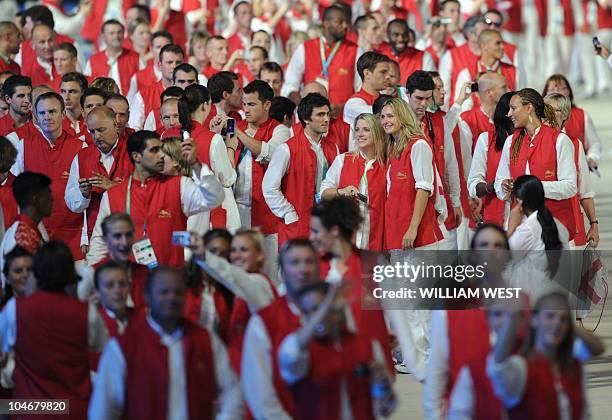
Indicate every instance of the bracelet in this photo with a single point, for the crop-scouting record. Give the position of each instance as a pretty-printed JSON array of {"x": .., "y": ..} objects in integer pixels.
[
  {"x": 594, "y": 222},
  {"x": 231, "y": 148}
]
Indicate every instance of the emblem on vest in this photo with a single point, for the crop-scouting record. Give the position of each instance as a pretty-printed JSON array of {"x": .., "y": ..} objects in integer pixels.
[
  {"x": 441, "y": 149},
  {"x": 401, "y": 175},
  {"x": 343, "y": 71},
  {"x": 164, "y": 214},
  {"x": 549, "y": 174},
  {"x": 65, "y": 175}
]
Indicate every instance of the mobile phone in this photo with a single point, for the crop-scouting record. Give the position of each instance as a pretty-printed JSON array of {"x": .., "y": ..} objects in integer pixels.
[
  {"x": 362, "y": 198},
  {"x": 186, "y": 135},
  {"x": 597, "y": 45},
  {"x": 181, "y": 238},
  {"x": 474, "y": 87},
  {"x": 230, "y": 127}
]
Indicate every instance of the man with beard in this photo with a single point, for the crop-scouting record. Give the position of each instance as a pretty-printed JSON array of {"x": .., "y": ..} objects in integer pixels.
[
  {"x": 17, "y": 124},
  {"x": 10, "y": 43}
]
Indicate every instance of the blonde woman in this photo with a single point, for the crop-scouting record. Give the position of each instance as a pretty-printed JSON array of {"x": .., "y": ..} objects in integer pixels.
[
  {"x": 562, "y": 106},
  {"x": 411, "y": 222},
  {"x": 410, "y": 213},
  {"x": 360, "y": 175},
  {"x": 197, "y": 51},
  {"x": 139, "y": 34},
  {"x": 174, "y": 162}
]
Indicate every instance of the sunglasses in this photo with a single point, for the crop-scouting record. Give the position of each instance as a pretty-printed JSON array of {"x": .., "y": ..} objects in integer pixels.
[{"x": 490, "y": 22}]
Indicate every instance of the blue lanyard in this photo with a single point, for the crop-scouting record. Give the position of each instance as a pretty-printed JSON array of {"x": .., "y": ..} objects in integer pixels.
[{"x": 325, "y": 62}]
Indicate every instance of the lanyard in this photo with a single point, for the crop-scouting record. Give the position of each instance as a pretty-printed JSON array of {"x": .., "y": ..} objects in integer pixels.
[
  {"x": 128, "y": 205},
  {"x": 326, "y": 62}
]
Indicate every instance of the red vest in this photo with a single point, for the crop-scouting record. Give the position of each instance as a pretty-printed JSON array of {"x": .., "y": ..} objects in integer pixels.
[
  {"x": 540, "y": 399},
  {"x": 10, "y": 209},
  {"x": 465, "y": 326},
  {"x": 147, "y": 382},
  {"x": 209, "y": 71},
  {"x": 604, "y": 17},
  {"x": 193, "y": 309},
  {"x": 368, "y": 99},
  {"x": 542, "y": 158},
  {"x": 55, "y": 162},
  {"x": 580, "y": 238},
  {"x": 478, "y": 122},
  {"x": 299, "y": 184},
  {"x": 203, "y": 139},
  {"x": 138, "y": 278},
  {"x": 410, "y": 60},
  {"x": 56, "y": 324},
  {"x": 174, "y": 23},
  {"x": 112, "y": 328},
  {"x": 151, "y": 97},
  {"x": 434, "y": 55},
  {"x": 261, "y": 216},
  {"x": 211, "y": 6},
  {"x": 462, "y": 57},
  {"x": 352, "y": 172},
  {"x": 493, "y": 209},
  {"x": 146, "y": 77},
  {"x": 341, "y": 69},
  {"x": 574, "y": 127},
  {"x": 339, "y": 133},
  {"x": 234, "y": 43},
  {"x": 37, "y": 73},
  {"x": 487, "y": 405},
  {"x": 127, "y": 64},
  {"x": 10, "y": 66},
  {"x": 90, "y": 165},
  {"x": 505, "y": 69},
  {"x": 158, "y": 203},
  {"x": 279, "y": 321},
  {"x": 7, "y": 126},
  {"x": 318, "y": 395},
  {"x": 366, "y": 311},
  {"x": 92, "y": 27},
  {"x": 237, "y": 325},
  {"x": 436, "y": 141},
  {"x": 398, "y": 216}
]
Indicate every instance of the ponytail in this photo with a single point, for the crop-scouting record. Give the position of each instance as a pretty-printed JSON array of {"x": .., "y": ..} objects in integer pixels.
[
  {"x": 503, "y": 125},
  {"x": 192, "y": 99}
]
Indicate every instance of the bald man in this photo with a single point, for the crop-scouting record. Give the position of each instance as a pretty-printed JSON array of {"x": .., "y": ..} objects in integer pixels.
[
  {"x": 169, "y": 116},
  {"x": 314, "y": 87},
  {"x": 491, "y": 53},
  {"x": 10, "y": 43},
  {"x": 97, "y": 169},
  {"x": 41, "y": 69}
]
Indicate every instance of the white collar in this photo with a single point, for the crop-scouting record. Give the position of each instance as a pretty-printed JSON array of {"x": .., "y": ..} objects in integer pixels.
[{"x": 166, "y": 339}]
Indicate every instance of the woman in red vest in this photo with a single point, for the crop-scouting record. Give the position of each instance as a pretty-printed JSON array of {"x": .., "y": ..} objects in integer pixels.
[
  {"x": 209, "y": 303},
  {"x": 547, "y": 381},
  {"x": 579, "y": 124},
  {"x": 488, "y": 150},
  {"x": 411, "y": 218},
  {"x": 361, "y": 175},
  {"x": 194, "y": 108},
  {"x": 327, "y": 365},
  {"x": 562, "y": 107},
  {"x": 537, "y": 149}
]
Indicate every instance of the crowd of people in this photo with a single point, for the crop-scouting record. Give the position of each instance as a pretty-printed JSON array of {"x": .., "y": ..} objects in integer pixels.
[{"x": 194, "y": 195}]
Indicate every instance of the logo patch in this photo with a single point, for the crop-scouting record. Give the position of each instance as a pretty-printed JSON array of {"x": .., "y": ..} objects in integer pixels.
[
  {"x": 164, "y": 214},
  {"x": 549, "y": 174}
]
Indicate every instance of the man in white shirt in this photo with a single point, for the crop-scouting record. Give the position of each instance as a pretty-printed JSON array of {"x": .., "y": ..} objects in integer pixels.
[{"x": 130, "y": 384}]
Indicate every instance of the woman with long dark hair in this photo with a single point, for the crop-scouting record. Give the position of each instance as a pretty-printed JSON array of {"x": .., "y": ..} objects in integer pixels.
[
  {"x": 539, "y": 150},
  {"x": 579, "y": 125},
  {"x": 487, "y": 153},
  {"x": 194, "y": 107}
]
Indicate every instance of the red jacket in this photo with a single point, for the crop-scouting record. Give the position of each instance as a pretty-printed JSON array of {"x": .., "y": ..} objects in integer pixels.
[
  {"x": 147, "y": 377},
  {"x": 58, "y": 324},
  {"x": 128, "y": 64}
]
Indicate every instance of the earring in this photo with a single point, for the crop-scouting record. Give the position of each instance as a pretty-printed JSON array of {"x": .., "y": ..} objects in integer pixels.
[{"x": 530, "y": 119}]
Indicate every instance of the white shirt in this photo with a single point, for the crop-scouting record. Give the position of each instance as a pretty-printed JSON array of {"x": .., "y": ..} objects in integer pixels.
[
  {"x": 108, "y": 397},
  {"x": 75, "y": 200},
  {"x": 244, "y": 183},
  {"x": 592, "y": 140},
  {"x": 277, "y": 169},
  {"x": 97, "y": 336},
  {"x": 478, "y": 168},
  {"x": 258, "y": 372},
  {"x": 332, "y": 181},
  {"x": 294, "y": 76},
  {"x": 113, "y": 72},
  {"x": 134, "y": 83},
  {"x": 198, "y": 194},
  {"x": 564, "y": 187},
  {"x": 528, "y": 235},
  {"x": 253, "y": 288}
]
